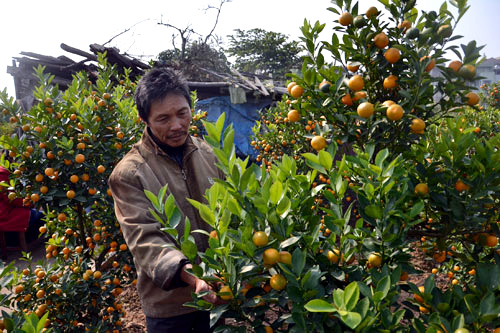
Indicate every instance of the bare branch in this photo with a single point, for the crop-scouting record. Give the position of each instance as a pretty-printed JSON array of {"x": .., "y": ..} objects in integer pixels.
[
  {"x": 216, "y": 19},
  {"x": 124, "y": 31}
]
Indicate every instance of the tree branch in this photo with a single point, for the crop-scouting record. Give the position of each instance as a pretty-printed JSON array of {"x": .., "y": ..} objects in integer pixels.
[
  {"x": 216, "y": 19},
  {"x": 124, "y": 31}
]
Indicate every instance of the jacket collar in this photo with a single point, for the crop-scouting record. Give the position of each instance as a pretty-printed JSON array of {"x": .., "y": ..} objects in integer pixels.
[{"x": 149, "y": 144}]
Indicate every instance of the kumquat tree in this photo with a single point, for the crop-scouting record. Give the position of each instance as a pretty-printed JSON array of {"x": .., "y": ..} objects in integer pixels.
[
  {"x": 70, "y": 142},
  {"x": 369, "y": 162}
]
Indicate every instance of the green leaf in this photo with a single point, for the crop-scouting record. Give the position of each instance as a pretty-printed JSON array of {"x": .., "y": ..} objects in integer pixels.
[
  {"x": 187, "y": 228},
  {"x": 384, "y": 285},
  {"x": 161, "y": 197},
  {"x": 189, "y": 249},
  {"x": 298, "y": 261},
  {"x": 153, "y": 199},
  {"x": 325, "y": 159},
  {"x": 229, "y": 142},
  {"x": 351, "y": 319},
  {"x": 374, "y": 211},
  {"x": 284, "y": 207},
  {"x": 319, "y": 305},
  {"x": 416, "y": 209},
  {"x": 157, "y": 217},
  {"x": 381, "y": 156},
  {"x": 207, "y": 215},
  {"x": 169, "y": 206},
  {"x": 275, "y": 192},
  {"x": 351, "y": 296},
  {"x": 234, "y": 207},
  {"x": 488, "y": 276},
  {"x": 289, "y": 241}
]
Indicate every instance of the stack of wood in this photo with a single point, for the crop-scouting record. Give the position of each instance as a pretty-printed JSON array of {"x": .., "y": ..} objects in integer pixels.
[{"x": 63, "y": 68}]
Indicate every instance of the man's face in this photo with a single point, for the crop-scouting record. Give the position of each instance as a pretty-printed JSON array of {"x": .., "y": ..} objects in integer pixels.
[{"x": 169, "y": 119}]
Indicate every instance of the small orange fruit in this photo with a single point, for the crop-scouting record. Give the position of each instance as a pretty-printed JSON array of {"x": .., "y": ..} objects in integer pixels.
[
  {"x": 439, "y": 257},
  {"x": 390, "y": 82},
  {"x": 405, "y": 25},
  {"x": 79, "y": 158},
  {"x": 460, "y": 186},
  {"x": 296, "y": 91},
  {"x": 74, "y": 179},
  {"x": 417, "y": 126},
  {"x": 455, "y": 65},
  {"x": 381, "y": 40},
  {"x": 372, "y": 11},
  {"x": 430, "y": 65},
  {"x": 395, "y": 112},
  {"x": 285, "y": 257},
  {"x": 278, "y": 282},
  {"x": 375, "y": 260},
  {"x": 472, "y": 98},
  {"x": 359, "y": 95},
  {"x": 421, "y": 189},
  {"x": 49, "y": 172},
  {"x": 491, "y": 240},
  {"x": 70, "y": 194},
  {"x": 347, "y": 100},
  {"x": 345, "y": 19},
  {"x": 101, "y": 169},
  {"x": 419, "y": 298},
  {"x": 290, "y": 86},
  {"x": 293, "y": 116},
  {"x": 335, "y": 256},
  {"x": 318, "y": 142},
  {"x": 356, "y": 83},
  {"x": 226, "y": 293},
  {"x": 365, "y": 110},
  {"x": 353, "y": 66},
  {"x": 271, "y": 257},
  {"x": 260, "y": 238},
  {"x": 392, "y": 55}
]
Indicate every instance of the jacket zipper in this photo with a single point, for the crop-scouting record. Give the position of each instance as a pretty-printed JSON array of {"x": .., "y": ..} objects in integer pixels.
[{"x": 184, "y": 177}]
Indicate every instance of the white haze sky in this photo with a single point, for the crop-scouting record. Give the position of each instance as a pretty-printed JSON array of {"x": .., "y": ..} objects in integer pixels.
[{"x": 41, "y": 26}]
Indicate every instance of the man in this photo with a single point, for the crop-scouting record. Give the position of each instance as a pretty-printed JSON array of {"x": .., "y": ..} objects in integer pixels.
[{"x": 166, "y": 154}]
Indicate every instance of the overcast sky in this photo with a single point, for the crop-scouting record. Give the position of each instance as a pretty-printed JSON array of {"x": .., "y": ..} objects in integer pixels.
[{"x": 41, "y": 26}]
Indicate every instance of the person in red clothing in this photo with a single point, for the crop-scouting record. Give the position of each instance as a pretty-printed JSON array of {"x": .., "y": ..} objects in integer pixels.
[{"x": 14, "y": 216}]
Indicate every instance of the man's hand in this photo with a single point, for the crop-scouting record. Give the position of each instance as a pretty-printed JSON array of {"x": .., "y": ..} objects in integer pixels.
[{"x": 199, "y": 286}]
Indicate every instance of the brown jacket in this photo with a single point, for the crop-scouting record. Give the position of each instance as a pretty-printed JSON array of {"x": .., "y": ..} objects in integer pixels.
[{"x": 148, "y": 167}]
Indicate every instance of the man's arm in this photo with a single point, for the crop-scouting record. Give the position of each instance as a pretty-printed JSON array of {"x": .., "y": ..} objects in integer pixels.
[
  {"x": 198, "y": 285},
  {"x": 152, "y": 248}
]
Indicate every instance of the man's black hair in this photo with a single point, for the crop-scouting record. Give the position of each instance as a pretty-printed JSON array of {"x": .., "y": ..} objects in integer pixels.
[{"x": 155, "y": 85}]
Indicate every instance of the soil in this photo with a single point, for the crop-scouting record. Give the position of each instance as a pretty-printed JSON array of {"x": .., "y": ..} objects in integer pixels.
[{"x": 135, "y": 321}]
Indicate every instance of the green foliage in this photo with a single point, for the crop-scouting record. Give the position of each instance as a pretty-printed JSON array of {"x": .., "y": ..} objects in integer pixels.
[
  {"x": 264, "y": 52},
  {"x": 99, "y": 121},
  {"x": 490, "y": 95},
  {"x": 196, "y": 56}
]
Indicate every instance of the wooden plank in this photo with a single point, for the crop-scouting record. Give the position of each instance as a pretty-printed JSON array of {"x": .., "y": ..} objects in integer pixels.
[
  {"x": 47, "y": 59},
  {"x": 76, "y": 51},
  {"x": 230, "y": 79},
  {"x": 262, "y": 88},
  {"x": 208, "y": 84},
  {"x": 253, "y": 86}
]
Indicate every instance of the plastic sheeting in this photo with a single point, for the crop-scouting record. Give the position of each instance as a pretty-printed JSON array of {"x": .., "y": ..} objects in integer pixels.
[{"x": 242, "y": 116}]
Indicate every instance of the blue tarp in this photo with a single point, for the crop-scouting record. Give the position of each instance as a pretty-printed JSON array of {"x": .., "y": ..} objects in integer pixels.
[{"x": 242, "y": 116}]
